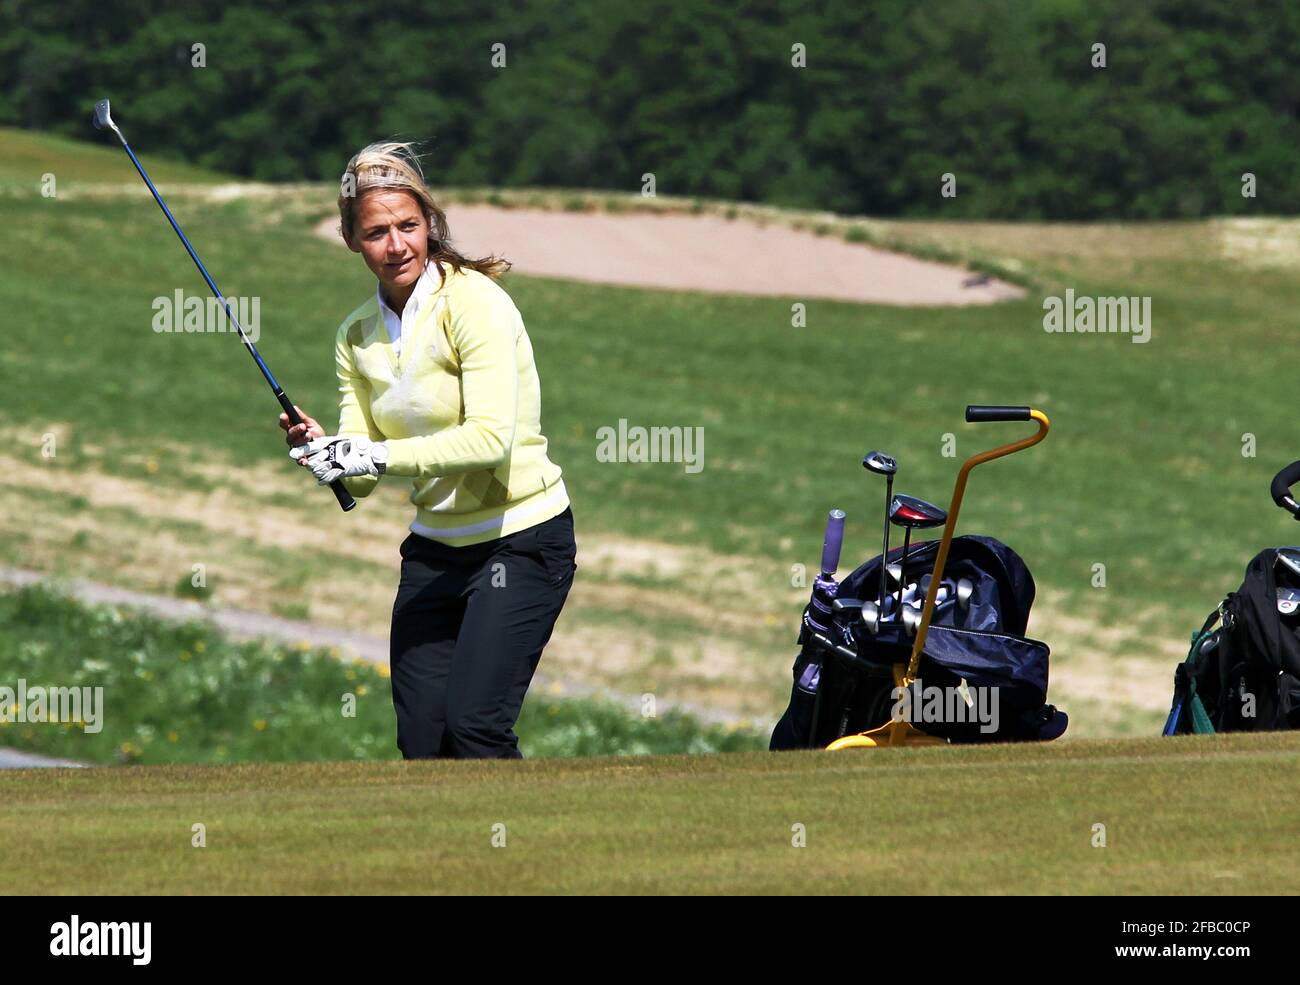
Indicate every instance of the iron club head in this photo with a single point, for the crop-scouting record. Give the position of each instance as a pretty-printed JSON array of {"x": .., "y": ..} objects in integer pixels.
[
  {"x": 103, "y": 119},
  {"x": 965, "y": 589}
]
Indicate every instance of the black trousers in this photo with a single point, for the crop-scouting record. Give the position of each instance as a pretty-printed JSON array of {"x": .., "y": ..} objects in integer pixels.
[{"x": 469, "y": 626}]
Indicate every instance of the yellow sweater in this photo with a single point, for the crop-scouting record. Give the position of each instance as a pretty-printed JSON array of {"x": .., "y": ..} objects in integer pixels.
[{"x": 460, "y": 411}]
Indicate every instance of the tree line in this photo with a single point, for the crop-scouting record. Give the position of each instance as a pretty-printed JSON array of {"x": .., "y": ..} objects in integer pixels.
[{"x": 1034, "y": 109}]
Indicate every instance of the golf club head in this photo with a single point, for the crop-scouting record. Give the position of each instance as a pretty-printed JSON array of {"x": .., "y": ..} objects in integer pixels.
[
  {"x": 915, "y": 514},
  {"x": 894, "y": 570},
  {"x": 846, "y": 606},
  {"x": 103, "y": 119},
  {"x": 1288, "y": 601},
  {"x": 871, "y": 617},
  {"x": 945, "y": 586},
  {"x": 911, "y": 620},
  {"x": 965, "y": 589},
  {"x": 879, "y": 463},
  {"x": 1288, "y": 561}
]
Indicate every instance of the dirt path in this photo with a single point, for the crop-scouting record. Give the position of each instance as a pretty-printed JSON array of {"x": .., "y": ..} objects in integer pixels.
[{"x": 707, "y": 253}]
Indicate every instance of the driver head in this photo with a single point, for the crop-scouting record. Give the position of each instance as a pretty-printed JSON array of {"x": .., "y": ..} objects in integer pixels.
[
  {"x": 879, "y": 463},
  {"x": 916, "y": 514}
]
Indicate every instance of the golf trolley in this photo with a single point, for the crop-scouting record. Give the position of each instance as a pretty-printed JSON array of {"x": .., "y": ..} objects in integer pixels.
[{"x": 960, "y": 624}]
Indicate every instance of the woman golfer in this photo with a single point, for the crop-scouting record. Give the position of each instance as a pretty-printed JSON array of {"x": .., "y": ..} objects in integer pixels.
[{"x": 437, "y": 384}]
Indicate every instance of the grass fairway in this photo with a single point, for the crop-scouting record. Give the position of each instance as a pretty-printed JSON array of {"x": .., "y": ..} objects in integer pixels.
[{"x": 1179, "y": 817}]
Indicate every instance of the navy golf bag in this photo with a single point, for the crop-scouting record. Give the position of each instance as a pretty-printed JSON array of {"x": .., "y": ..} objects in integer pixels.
[{"x": 844, "y": 672}]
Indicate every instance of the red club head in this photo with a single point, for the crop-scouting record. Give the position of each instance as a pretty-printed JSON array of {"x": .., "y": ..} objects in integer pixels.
[{"x": 915, "y": 514}]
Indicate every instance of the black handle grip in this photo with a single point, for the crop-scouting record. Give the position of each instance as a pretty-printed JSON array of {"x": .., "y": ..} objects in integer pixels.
[
  {"x": 346, "y": 502},
  {"x": 1281, "y": 488},
  {"x": 979, "y": 413}
]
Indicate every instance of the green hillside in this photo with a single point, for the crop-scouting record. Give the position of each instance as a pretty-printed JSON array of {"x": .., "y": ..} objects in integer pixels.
[{"x": 27, "y": 156}]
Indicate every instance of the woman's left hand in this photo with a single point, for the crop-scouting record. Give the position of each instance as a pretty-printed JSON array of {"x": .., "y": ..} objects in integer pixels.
[{"x": 336, "y": 456}]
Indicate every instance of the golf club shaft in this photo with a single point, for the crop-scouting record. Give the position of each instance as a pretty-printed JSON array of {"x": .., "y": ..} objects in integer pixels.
[
  {"x": 340, "y": 491},
  {"x": 902, "y": 568},
  {"x": 975, "y": 414},
  {"x": 884, "y": 550}
]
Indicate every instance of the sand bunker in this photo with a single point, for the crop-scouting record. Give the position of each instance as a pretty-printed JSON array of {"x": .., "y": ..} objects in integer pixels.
[{"x": 708, "y": 253}]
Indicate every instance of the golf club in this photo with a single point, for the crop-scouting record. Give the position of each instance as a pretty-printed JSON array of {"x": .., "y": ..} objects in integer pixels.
[
  {"x": 1288, "y": 567},
  {"x": 1288, "y": 601},
  {"x": 104, "y": 121},
  {"x": 965, "y": 589},
  {"x": 1289, "y": 558},
  {"x": 886, "y": 465},
  {"x": 911, "y": 620},
  {"x": 911, "y": 514},
  {"x": 871, "y": 616},
  {"x": 825, "y": 587},
  {"x": 832, "y": 542}
]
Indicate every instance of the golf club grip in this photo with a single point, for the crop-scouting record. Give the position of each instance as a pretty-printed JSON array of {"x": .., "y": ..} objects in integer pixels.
[
  {"x": 346, "y": 502},
  {"x": 1282, "y": 483},
  {"x": 832, "y": 542},
  {"x": 981, "y": 413}
]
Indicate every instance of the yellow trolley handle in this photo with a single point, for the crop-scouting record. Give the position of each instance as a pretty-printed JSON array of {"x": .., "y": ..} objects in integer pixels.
[{"x": 974, "y": 415}]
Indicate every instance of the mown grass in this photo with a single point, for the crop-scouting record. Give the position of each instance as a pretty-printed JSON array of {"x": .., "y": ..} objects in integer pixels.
[{"x": 1116, "y": 817}]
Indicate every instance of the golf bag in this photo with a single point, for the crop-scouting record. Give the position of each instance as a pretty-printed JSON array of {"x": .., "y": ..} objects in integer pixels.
[
  {"x": 1245, "y": 675},
  {"x": 843, "y": 673}
]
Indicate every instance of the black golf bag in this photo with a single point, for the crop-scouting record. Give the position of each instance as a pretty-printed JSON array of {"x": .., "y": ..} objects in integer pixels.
[
  {"x": 843, "y": 673},
  {"x": 1244, "y": 675}
]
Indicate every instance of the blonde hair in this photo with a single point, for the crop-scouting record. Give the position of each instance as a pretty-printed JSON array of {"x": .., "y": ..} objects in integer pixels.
[{"x": 395, "y": 165}]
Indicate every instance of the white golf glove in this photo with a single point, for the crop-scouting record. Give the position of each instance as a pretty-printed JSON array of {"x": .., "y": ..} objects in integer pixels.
[{"x": 336, "y": 456}]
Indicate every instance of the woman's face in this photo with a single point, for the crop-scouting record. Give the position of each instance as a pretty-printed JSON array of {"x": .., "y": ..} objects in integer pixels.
[{"x": 392, "y": 235}]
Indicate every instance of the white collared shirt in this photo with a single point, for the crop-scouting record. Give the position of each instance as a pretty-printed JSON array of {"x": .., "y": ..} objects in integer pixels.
[{"x": 399, "y": 326}]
